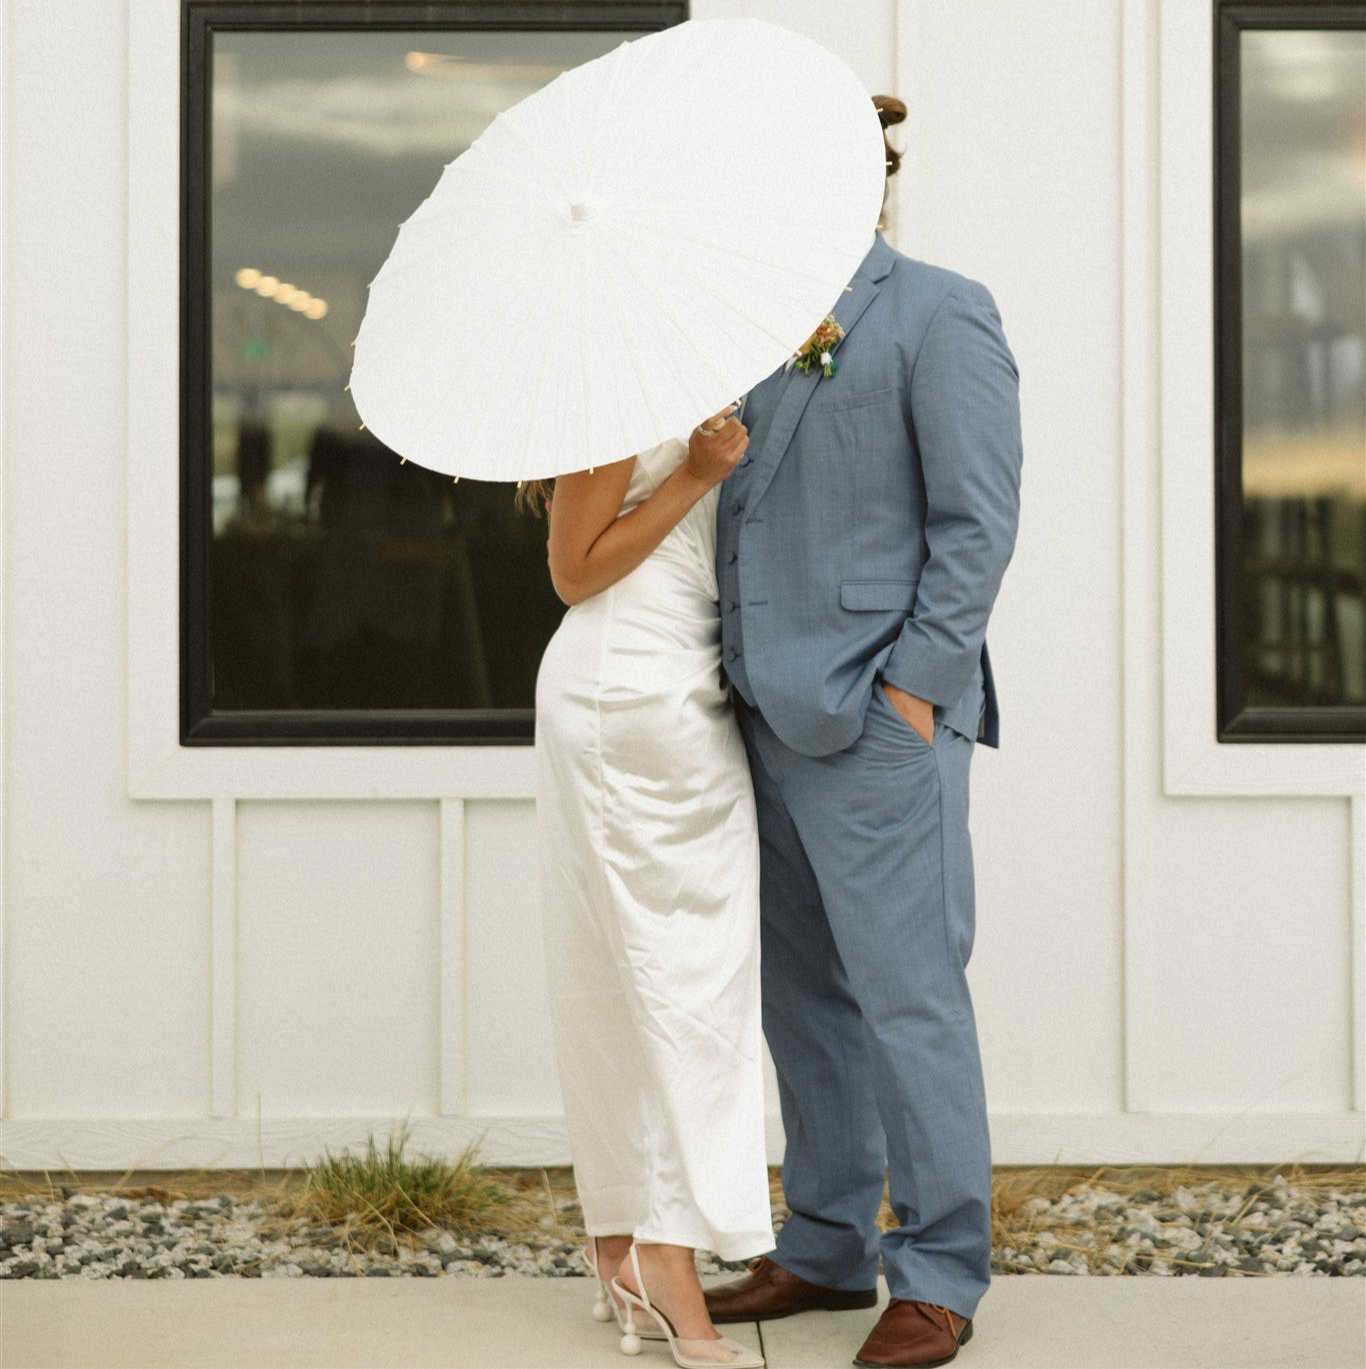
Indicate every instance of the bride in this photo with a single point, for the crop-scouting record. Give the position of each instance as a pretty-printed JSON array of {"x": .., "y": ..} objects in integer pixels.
[{"x": 649, "y": 869}]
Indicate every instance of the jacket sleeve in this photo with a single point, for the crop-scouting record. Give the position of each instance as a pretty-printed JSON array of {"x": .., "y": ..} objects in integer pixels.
[{"x": 965, "y": 412}]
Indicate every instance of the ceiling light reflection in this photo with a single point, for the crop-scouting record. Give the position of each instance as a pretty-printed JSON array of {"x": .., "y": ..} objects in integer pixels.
[{"x": 282, "y": 292}]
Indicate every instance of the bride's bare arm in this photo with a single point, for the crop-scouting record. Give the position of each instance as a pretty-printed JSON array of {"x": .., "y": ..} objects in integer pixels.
[{"x": 591, "y": 548}]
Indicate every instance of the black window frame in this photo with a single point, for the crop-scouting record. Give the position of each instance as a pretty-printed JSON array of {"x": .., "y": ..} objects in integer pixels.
[
  {"x": 200, "y": 725},
  {"x": 1236, "y": 722}
]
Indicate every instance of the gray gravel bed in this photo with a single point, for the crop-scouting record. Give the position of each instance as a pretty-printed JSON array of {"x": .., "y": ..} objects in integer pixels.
[{"x": 1210, "y": 1230}]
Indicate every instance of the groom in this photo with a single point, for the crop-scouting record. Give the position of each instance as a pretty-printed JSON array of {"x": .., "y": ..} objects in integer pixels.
[{"x": 860, "y": 547}]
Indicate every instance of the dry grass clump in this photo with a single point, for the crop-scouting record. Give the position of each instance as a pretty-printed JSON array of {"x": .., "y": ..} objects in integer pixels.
[{"x": 381, "y": 1198}]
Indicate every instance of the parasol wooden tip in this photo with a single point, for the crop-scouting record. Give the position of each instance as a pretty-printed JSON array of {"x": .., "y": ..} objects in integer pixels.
[
  {"x": 361, "y": 429},
  {"x": 347, "y": 386}
]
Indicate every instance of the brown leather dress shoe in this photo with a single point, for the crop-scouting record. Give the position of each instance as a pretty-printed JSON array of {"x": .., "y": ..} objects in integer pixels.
[
  {"x": 770, "y": 1291},
  {"x": 914, "y": 1333}
]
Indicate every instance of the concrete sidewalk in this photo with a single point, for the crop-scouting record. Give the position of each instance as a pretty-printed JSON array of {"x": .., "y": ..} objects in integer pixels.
[{"x": 1024, "y": 1322}]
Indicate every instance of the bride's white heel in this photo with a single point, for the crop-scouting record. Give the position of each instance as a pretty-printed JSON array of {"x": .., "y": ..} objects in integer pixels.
[
  {"x": 602, "y": 1310},
  {"x": 688, "y": 1353},
  {"x": 605, "y": 1307}
]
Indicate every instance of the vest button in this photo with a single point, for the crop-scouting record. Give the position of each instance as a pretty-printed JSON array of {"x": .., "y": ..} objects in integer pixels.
[
  {"x": 736, "y": 506},
  {"x": 731, "y": 557}
]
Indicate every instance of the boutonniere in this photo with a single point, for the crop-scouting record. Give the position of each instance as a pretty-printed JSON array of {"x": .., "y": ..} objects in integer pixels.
[{"x": 819, "y": 346}]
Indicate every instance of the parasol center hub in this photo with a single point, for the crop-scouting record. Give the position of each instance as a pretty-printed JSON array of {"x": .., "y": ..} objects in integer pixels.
[{"x": 578, "y": 212}]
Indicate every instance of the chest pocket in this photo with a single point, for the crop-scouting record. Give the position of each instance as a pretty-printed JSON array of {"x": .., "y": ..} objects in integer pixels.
[{"x": 860, "y": 400}]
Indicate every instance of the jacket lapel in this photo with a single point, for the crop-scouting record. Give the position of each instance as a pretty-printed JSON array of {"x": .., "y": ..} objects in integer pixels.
[{"x": 799, "y": 386}]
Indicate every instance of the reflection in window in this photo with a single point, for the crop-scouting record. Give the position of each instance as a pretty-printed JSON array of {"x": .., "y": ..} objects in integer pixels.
[
  {"x": 1302, "y": 133},
  {"x": 341, "y": 577}
]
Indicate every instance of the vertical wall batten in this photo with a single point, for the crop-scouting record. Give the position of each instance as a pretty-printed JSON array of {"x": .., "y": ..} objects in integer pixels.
[
  {"x": 223, "y": 959},
  {"x": 907, "y": 238},
  {"x": 1138, "y": 525},
  {"x": 451, "y": 965},
  {"x": 5, "y": 86},
  {"x": 1356, "y": 912}
]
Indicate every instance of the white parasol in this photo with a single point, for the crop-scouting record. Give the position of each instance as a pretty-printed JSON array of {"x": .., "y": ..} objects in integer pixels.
[{"x": 622, "y": 253}]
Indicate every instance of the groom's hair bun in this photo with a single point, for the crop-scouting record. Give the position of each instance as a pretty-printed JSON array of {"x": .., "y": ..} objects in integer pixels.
[{"x": 890, "y": 111}]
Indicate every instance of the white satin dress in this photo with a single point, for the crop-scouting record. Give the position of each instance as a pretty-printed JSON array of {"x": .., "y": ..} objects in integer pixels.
[{"x": 649, "y": 869}]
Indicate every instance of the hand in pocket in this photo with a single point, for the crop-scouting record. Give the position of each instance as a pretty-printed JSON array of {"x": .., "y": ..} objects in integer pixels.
[{"x": 918, "y": 713}]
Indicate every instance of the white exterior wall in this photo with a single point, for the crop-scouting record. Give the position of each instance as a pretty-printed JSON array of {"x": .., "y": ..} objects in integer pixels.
[{"x": 236, "y": 956}]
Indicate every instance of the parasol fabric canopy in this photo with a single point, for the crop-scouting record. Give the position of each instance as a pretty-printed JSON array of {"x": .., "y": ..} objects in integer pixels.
[{"x": 622, "y": 253}]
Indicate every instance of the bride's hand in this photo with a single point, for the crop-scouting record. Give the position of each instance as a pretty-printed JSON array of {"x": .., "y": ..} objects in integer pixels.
[{"x": 715, "y": 447}]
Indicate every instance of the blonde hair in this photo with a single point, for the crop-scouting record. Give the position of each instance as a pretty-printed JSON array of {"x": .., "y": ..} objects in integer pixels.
[{"x": 531, "y": 496}]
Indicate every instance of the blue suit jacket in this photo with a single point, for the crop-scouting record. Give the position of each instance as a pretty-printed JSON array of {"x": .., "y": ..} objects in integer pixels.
[{"x": 869, "y": 529}]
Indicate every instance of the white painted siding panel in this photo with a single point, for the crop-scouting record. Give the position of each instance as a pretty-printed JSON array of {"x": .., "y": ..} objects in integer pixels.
[
  {"x": 509, "y": 1052},
  {"x": 1249, "y": 997},
  {"x": 1011, "y": 177},
  {"x": 337, "y": 958},
  {"x": 862, "y": 32},
  {"x": 104, "y": 903}
]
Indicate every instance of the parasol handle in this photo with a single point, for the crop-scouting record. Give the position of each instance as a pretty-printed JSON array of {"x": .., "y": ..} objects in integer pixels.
[{"x": 711, "y": 432}]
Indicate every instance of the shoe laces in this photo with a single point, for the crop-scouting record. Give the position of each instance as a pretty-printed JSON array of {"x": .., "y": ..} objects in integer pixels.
[{"x": 948, "y": 1317}]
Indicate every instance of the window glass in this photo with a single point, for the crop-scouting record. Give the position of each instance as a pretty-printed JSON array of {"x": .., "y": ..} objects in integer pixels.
[
  {"x": 342, "y": 577},
  {"x": 1302, "y": 132}
]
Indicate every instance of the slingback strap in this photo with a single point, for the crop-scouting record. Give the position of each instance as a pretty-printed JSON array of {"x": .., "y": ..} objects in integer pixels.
[{"x": 640, "y": 1281}]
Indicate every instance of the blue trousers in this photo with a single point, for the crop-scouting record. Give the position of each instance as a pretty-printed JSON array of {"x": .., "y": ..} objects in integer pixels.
[{"x": 867, "y": 920}]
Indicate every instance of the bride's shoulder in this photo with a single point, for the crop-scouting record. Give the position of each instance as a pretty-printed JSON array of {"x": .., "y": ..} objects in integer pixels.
[
  {"x": 675, "y": 447},
  {"x": 664, "y": 456}
]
